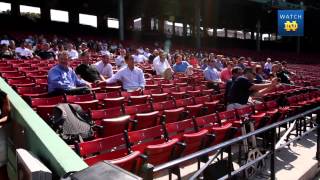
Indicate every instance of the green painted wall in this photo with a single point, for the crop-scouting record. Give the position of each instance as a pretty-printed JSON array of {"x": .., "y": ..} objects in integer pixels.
[{"x": 38, "y": 138}]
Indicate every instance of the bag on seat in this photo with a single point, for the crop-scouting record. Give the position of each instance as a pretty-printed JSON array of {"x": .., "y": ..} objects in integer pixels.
[{"x": 71, "y": 123}]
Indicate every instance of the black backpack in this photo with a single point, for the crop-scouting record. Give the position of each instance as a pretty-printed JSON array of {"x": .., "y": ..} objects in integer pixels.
[{"x": 71, "y": 123}]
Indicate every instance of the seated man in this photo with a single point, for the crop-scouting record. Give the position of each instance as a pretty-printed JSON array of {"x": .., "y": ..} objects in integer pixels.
[
  {"x": 46, "y": 53},
  {"x": 139, "y": 57},
  {"x": 132, "y": 77},
  {"x": 180, "y": 66},
  {"x": 120, "y": 59},
  {"x": 243, "y": 88},
  {"x": 104, "y": 67},
  {"x": 23, "y": 52},
  {"x": 161, "y": 64},
  {"x": 212, "y": 75},
  {"x": 87, "y": 71},
  {"x": 72, "y": 53},
  {"x": 62, "y": 79},
  {"x": 236, "y": 72}
]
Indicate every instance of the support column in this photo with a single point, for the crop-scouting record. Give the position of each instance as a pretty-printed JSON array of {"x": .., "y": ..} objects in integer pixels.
[
  {"x": 258, "y": 35},
  {"x": 161, "y": 25},
  {"x": 244, "y": 35},
  {"x": 73, "y": 17},
  {"x": 173, "y": 28},
  {"x": 121, "y": 20},
  {"x": 45, "y": 14},
  {"x": 197, "y": 23},
  {"x": 184, "y": 30},
  {"x": 102, "y": 22},
  {"x": 225, "y": 32},
  {"x": 15, "y": 9},
  {"x": 252, "y": 35}
]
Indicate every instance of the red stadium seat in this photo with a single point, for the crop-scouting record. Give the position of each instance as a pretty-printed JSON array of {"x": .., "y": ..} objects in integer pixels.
[
  {"x": 110, "y": 148},
  {"x": 145, "y": 120},
  {"x": 98, "y": 115},
  {"x": 160, "y": 97},
  {"x": 32, "y": 92},
  {"x": 86, "y": 101},
  {"x": 165, "y": 105},
  {"x": 184, "y": 102},
  {"x": 135, "y": 100},
  {"x": 113, "y": 126},
  {"x": 113, "y": 102},
  {"x": 135, "y": 109},
  {"x": 22, "y": 82},
  {"x": 44, "y": 106},
  {"x": 174, "y": 115},
  {"x": 13, "y": 75},
  {"x": 179, "y": 95}
]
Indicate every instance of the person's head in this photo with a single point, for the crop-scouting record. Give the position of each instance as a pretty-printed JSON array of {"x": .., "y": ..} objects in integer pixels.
[
  {"x": 178, "y": 59},
  {"x": 241, "y": 60},
  {"x": 156, "y": 52},
  {"x": 163, "y": 56},
  {"x": 229, "y": 65},
  {"x": 129, "y": 61},
  {"x": 69, "y": 46},
  {"x": 123, "y": 52},
  {"x": 83, "y": 46},
  {"x": 284, "y": 64},
  {"x": 86, "y": 58},
  {"x": 147, "y": 50},
  {"x": 211, "y": 63},
  {"x": 236, "y": 72},
  {"x": 275, "y": 68},
  {"x": 205, "y": 61},
  {"x": 106, "y": 58},
  {"x": 248, "y": 72},
  {"x": 268, "y": 60},
  {"x": 63, "y": 58},
  {"x": 46, "y": 46}
]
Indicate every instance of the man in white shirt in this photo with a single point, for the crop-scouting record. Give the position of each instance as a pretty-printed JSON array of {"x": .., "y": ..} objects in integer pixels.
[
  {"x": 268, "y": 66},
  {"x": 161, "y": 64},
  {"x": 23, "y": 52},
  {"x": 120, "y": 63},
  {"x": 5, "y": 40},
  {"x": 132, "y": 77},
  {"x": 104, "y": 67},
  {"x": 72, "y": 53},
  {"x": 139, "y": 57},
  {"x": 147, "y": 53}
]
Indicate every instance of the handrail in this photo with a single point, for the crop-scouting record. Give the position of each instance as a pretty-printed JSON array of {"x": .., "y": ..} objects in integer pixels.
[{"x": 230, "y": 142}]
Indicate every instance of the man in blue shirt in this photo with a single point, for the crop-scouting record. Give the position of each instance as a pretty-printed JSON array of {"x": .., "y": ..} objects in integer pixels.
[
  {"x": 62, "y": 78},
  {"x": 211, "y": 74},
  {"x": 180, "y": 66}
]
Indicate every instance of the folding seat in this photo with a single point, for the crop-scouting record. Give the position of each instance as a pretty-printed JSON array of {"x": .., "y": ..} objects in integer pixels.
[
  {"x": 44, "y": 68},
  {"x": 38, "y": 74},
  {"x": 184, "y": 102},
  {"x": 32, "y": 92},
  {"x": 210, "y": 105},
  {"x": 151, "y": 86},
  {"x": 181, "y": 84},
  {"x": 159, "y": 97},
  {"x": 8, "y": 70},
  {"x": 185, "y": 88},
  {"x": 169, "y": 90},
  {"x": 86, "y": 101},
  {"x": 229, "y": 116},
  {"x": 186, "y": 133},
  {"x": 222, "y": 132},
  {"x": 174, "y": 115},
  {"x": 179, "y": 95},
  {"x": 151, "y": 142},
  {"x": 42, "y": 82},
  {"x": 98, "y": 115},
  {"x": 145, "y": 120},
  {"x": 135, "y": 100},
  {"x": 102, "y": 95},
  {"x": 44, "y": 106},
  {"x": 152, "y": 91},
  {"x": 195, "y": 110},
  {"x": 127, "y": 95},
  {"x": 113, "y": 102},
  {"x": 113, "y": 149},
  {"x": 21, "y": 65},
  {"x": 29, "y": 69},
  {"x": 167, "y": 85},
  {"x": 260, "y": 119},
  {"x": 13, "y": 75},
  {"x": 195, "y": 93},
  {"x": 113, "y": 126},
  {"x": 165, "y": 105},
  {"x": 112, "y": 88},
  {"x": 22, "y": 82},
  {"x": 135, "y": 109}
]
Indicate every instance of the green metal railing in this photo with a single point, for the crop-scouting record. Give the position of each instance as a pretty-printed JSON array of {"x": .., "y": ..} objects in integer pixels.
[{"x": 37, "y": 137}]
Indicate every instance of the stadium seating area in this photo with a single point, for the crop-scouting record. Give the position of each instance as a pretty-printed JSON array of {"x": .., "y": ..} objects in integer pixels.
[{"x": 169, "y": 119}]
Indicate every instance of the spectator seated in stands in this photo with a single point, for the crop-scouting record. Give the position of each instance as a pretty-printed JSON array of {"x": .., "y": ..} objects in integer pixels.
[
  {"x": 139, "y": 57},
  {"x": 282, "y": 74},
  {"x": 72, "y": 53},
  {"x": 268, "y": 66},
  {"x": 153, "y": 55},
  {"x": 23, "y": 52},
  {"x": 259, "y": 75},
  {"x": 161, "y": 65},
  {"x": 204, "y": 63},
  {"x": 243, "y": 87},
  {"x": 5, "y": 52},
  {"x": 5, "y": 40},
  {"x": 62, "y": 79},
  {"x": 241, "y": 63},
  {"x": 217, "y": 61},
  {"x": 104, "y": 67},
  {"x": 226, "y": 73},
  {"x": 180, "y": 66},
  {"x": 211, "y": 75},
  {"x": 132, "y": 77},
  {"x": 46, "y": 53},
  {"x": 120, "y": 62},
  {"x": 87, "y": 71}
]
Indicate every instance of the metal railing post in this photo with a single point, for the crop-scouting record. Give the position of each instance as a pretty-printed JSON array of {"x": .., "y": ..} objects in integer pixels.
[
  {"x": 318, "y": 138},
  {"x": 272, "y": 158}
]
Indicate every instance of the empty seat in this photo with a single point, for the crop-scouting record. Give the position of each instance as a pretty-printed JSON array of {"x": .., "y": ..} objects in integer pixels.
[
  {"x": 98, "y": 115},
  {"x": 113, "y": 126},
  {"x": 135, "y": 100},
  {"x": 113, "y": 102},
  {"x": 145, "y": 120},
  {"x": 160, "y": 97},
  {"x": 86, "y": 101}
]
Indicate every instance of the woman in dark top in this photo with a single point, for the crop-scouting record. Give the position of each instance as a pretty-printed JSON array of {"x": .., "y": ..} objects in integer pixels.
[{"x": 6, "y": 52}]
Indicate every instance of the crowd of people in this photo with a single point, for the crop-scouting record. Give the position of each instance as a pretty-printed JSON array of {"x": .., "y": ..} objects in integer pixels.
[{"x": 242, "y": 76}]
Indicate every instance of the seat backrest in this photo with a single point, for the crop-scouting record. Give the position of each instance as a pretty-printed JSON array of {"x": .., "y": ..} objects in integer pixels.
[
  {"x": 100, "y": 145},
  {"x": 46, "y": 101},
  {"x": 173, "y": 115},
  {"x": 244, "y": 111},
  {"x": 227, "y": 115},
  {"x": 165, "y": 105},
  {"x": 206, "y": 121},
  {"x": 180, "y": 127},
  {"x": 146, "y": 135},
  {"x": 79, "y": 98},
  {"x": 135, "y": 100},
  {"x": 98, "y": 115},
  {"x": 202, "y": 99},
  {"x": 113, "y": 126},
  {"x": 146, "y": 120},
  {"x": 184, "y": 102},
  {"x": 135, "y": 109},
  {"x": 159, "y": 97}
]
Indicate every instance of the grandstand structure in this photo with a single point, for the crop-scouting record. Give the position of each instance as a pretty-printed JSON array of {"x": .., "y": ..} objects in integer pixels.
[{"x": 155, "y": 132}]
